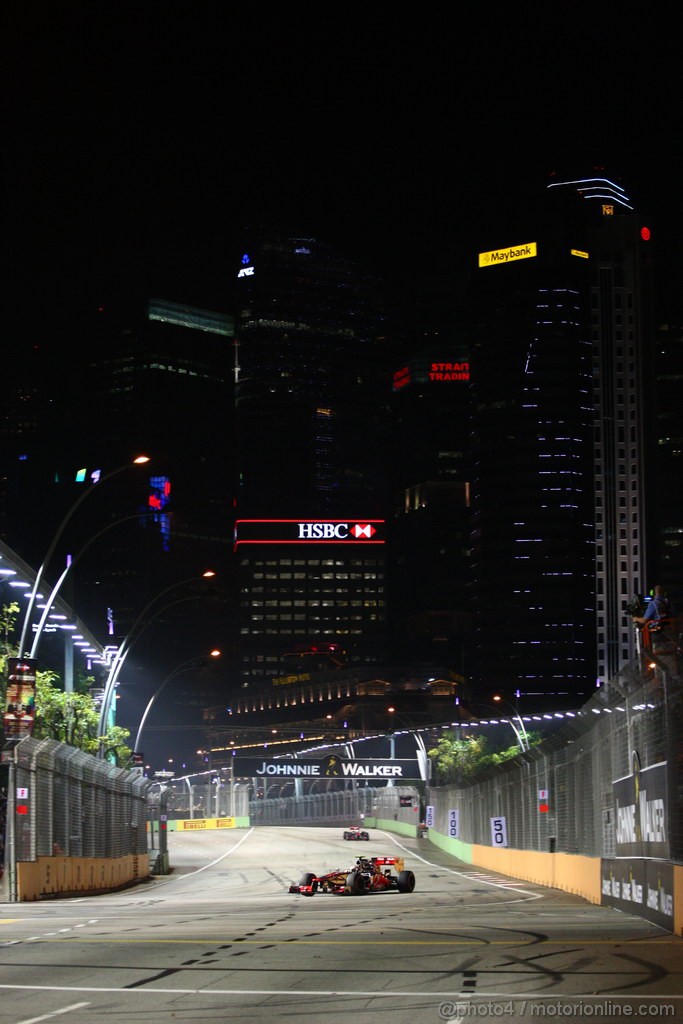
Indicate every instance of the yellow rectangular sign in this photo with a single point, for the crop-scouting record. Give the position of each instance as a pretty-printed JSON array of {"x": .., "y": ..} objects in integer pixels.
[
  {"x": 515, "y": 252},
  {"x": 201, "y": 824}
]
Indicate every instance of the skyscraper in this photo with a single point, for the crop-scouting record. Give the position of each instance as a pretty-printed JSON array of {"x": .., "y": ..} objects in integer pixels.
[
  {"x": 558, "y": 442},
  {"x": 429, "y": 534},
  {"x": 311, "y": 380},
  {"x": 667, "y": 516},
  {"x": 155, "y": 379},
  {"x": 159, "y": 381}
]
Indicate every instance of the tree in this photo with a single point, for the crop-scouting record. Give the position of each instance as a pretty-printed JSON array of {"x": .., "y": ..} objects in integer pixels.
[
  {"x": 8, "y": 618},
  {"x": 458, "y": 759},
  {"x": 70, "y": 718}
]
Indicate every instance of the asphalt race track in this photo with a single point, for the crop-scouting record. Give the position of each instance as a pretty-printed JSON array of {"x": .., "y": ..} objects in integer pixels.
[{"x": 221, "y": 939}]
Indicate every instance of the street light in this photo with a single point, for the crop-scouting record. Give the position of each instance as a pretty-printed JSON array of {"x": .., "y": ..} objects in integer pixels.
[
  {"x": 124, "y": 650},
  {"x": 140, "y": 460},
  {"x": 420, "y": 748},
  {"x": 16, "y": 574},
  {"x": 55, "y": 590},
  {"x": 172, "y": 675},
  {"x": 521, "y": 733}
]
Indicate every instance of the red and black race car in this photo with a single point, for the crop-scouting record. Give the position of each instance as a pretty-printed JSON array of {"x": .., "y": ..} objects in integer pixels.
[
  {"x": 369, "y": 874},
  {"x": 356, "y": 832}
]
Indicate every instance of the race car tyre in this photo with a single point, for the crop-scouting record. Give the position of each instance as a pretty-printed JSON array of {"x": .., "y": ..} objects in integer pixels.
[
  {"x": 405, "y": 881},
  {"x": 308, "y": 879},
  {"x": 346, "y": 835},
  {"x": 355, "y": 884},
  {"x": 365, "y": 836}
]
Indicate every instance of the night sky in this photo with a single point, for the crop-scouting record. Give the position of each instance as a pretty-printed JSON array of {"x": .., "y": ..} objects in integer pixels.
[{"x": 141, "y": 138}]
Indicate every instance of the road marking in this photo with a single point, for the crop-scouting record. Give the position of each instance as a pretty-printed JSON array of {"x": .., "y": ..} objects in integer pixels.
[
  {"x": 198, "y": 871},
  {"x": 336, "y": 993},
  {"x": 514, "y": 939},
  {"x": 55, "y": 1013},
  {"x": 499, "y": 883}
]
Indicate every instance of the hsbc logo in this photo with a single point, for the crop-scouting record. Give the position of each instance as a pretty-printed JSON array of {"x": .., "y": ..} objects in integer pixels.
[
  {"x": 366, "y": 530},
  {"x": 336, "y": 531}
]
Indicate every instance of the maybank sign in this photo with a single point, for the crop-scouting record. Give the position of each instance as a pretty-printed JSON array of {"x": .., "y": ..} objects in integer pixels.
[{"x": 511, "y": 255}]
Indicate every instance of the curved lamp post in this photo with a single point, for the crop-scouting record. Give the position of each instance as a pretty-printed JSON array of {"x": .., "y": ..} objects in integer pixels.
[
  {"x": 521, "y": 733},
  {"x": 124, "y": 650},
  {"x": 172, "y": 675},
  {"x": 55, "y": 590},
  {"x": 420, "y": 749},
  {"x": 140, "y": 460}
]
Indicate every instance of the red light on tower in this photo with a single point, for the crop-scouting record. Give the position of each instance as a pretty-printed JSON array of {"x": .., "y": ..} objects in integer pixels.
[{"x": 645, "y": 234}]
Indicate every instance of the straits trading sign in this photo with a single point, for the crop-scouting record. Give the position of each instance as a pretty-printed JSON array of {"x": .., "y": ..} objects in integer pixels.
[
  {"x": 331, "y": 767},
  {"x": 424, "y": 371},
  {"x": 309, "y": 531},
  {"x": 511, "y": 255}
]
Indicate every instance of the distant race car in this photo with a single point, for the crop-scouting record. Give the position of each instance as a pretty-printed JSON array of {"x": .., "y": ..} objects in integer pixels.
[
  {"x": 356, "y": 832},
  {"x": 368, "y": 875}
]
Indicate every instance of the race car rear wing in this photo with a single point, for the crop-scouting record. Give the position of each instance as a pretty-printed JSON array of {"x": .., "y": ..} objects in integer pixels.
[{"x": 397, "y": 861}]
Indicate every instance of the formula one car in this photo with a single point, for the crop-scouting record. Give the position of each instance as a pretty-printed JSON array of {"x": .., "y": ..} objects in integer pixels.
[
  {"x": 368, "y": 875},
  {"x": 356, "y": 832}
]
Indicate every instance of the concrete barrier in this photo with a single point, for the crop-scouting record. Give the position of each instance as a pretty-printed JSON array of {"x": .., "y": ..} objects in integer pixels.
[{"x": 54, "y": 877}]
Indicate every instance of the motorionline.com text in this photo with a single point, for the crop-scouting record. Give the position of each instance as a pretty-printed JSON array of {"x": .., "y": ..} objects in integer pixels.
[{"x": 605, "y": 1008}]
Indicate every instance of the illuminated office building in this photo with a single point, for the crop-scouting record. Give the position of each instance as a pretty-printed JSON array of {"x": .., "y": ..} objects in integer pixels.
[
  {"x": 668, "y": 462},
  {"x": 559, "y": 445},
  {"x": 155, "y": 380},
  {"x": 429, "y": 610},
  {"x": 311, "y": 430},
  {"x": 312, "y": 596}
]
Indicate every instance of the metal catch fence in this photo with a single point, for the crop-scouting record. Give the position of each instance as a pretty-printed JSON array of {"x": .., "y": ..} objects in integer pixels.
[
  {"x": 338, "y": 807},
  {"x": 71, "y": 803},
  {"x": 632, "y": 726}
]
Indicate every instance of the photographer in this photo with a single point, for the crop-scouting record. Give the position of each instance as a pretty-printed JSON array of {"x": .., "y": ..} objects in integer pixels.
[{"x": 658, "y": 608}]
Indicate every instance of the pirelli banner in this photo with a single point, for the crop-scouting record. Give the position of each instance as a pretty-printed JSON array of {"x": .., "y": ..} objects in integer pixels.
[
  {"x": 201, "y": 824},
  {"x": 330, "y": 767},
  {"x": 309, "y": 531}
]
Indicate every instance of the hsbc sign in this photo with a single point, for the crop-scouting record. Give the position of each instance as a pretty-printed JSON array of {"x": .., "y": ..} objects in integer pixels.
[
  {"x": 336, "y": 531},
  {"x": 309, "y": 531}
]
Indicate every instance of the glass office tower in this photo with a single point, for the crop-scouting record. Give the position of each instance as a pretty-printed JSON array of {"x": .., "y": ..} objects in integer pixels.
[
  {"x": 311, "y": 430},
  {"x": 429, "y": 533},
  {"x": 558, "y": 447}
]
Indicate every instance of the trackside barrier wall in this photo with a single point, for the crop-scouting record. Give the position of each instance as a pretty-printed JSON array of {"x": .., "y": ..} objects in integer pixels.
[
  {"x": 340, "y": 808},
  {"x": 207, "y": 795},
  {"x": 80, "y": 823},
  {"x": 596, "y": 809}
]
